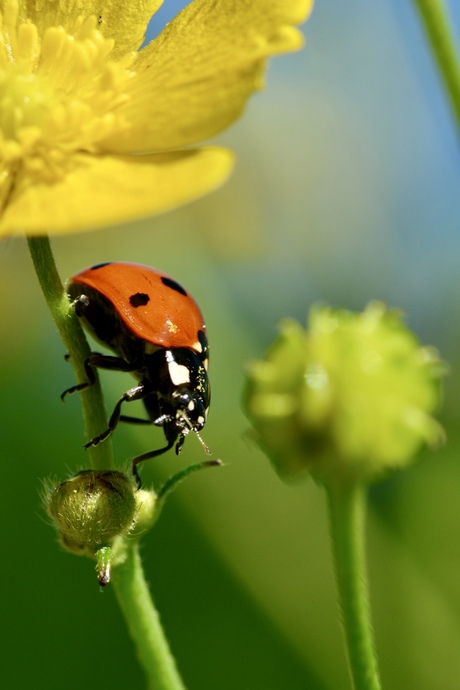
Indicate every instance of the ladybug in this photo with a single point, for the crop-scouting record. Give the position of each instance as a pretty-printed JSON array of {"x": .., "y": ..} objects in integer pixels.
[{"x": 157, "y": 332}]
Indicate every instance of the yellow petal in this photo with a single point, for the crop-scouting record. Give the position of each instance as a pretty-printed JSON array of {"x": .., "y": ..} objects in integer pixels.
[
  {"x": 123, "y": 20},
  {"x": 105, "y": 190},
  {"x": 194, "y": 79}
]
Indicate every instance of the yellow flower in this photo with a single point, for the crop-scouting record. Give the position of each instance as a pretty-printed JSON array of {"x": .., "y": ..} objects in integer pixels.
[{"x": 94, "y": 131}]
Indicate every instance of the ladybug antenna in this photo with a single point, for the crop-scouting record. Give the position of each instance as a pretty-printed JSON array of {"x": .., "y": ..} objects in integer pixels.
[
  {"x": 190, "y": 428},
  {"x": 202, "y": 442}
]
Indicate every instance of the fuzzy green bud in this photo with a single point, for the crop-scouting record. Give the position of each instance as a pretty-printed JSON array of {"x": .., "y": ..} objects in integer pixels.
[
  {"x": 147, "y": 513},
  {"x": 92, "y": 509},
  {"x": 352, "y": 396}
]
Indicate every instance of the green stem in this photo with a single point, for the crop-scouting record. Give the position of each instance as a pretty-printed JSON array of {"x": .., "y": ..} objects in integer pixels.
[
  {"x": 128, "y": 577},
  {"x": 144, "y": 623},
  {"x": 347, "y": 506},
  {"x": 438, "y": 27},
  {"x": 94, "y": 414}
]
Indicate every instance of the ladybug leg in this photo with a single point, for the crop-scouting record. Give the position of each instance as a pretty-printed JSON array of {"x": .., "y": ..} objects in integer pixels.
[
  {"x": 97, "y": 361},
  {"x": 81, "y": 386},
  {"x": 148, "y": 456},
  {"x": 134, "y": 420},
  {"x": 171, "y": 434},
  {"x": 136, "y": 393},
  {"x": 162, "y": 420},
  {"x": 180, "y": 443}
]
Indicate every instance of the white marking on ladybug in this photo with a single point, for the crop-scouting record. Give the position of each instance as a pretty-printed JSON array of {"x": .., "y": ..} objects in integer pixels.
[
  {"x": 197, "y": 346},
  {"x": 179, "y": 373},
  {"x": 191, "y": 405},
  {"x": 201, "y": 420}
]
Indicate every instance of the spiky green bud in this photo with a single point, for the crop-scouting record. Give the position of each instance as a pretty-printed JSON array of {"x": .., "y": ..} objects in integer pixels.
[
  {"x": 352, "y": 396},
  {"x": 91, "y": 509}
]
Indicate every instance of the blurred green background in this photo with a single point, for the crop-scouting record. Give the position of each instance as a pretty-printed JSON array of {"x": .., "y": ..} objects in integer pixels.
[{"x": 346, "y": 190}]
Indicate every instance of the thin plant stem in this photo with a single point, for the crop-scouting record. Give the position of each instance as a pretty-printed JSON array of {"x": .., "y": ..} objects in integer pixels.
[
  {"x": 144, "y": 623},
  {"x": 347, "y": 506},
  {"x": 68, "y": 325},
  {"x": 438, "y": 27},
  {"x": 128, "y": 577}
]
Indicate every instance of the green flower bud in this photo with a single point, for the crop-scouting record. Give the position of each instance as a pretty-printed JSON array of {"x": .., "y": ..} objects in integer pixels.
[
  {"x": 92, "y": 509},
  {"x": 352, "y": 396},
  {"x": 146, "y": 512}
]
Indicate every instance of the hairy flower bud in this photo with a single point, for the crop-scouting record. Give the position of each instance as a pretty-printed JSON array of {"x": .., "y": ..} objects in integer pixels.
[
  {"x": 352, "y": 396},
  {"x": 147, "y": 513},
  {"x": 92, "y": 508}
]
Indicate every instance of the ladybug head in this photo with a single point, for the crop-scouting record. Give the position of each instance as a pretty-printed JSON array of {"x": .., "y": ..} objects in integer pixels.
[{"x": 190, "y": 412}]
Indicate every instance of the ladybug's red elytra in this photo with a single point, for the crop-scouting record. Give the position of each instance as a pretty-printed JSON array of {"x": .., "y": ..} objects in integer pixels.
[{"x": 157, "y": 332}]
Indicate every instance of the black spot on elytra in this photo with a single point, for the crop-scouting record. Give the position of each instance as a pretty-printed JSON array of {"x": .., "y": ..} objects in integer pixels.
[
  {"x": 96, "y": 266},
  {"x": 169, "y": 282},
  {"x": 139, "y": 299}
]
